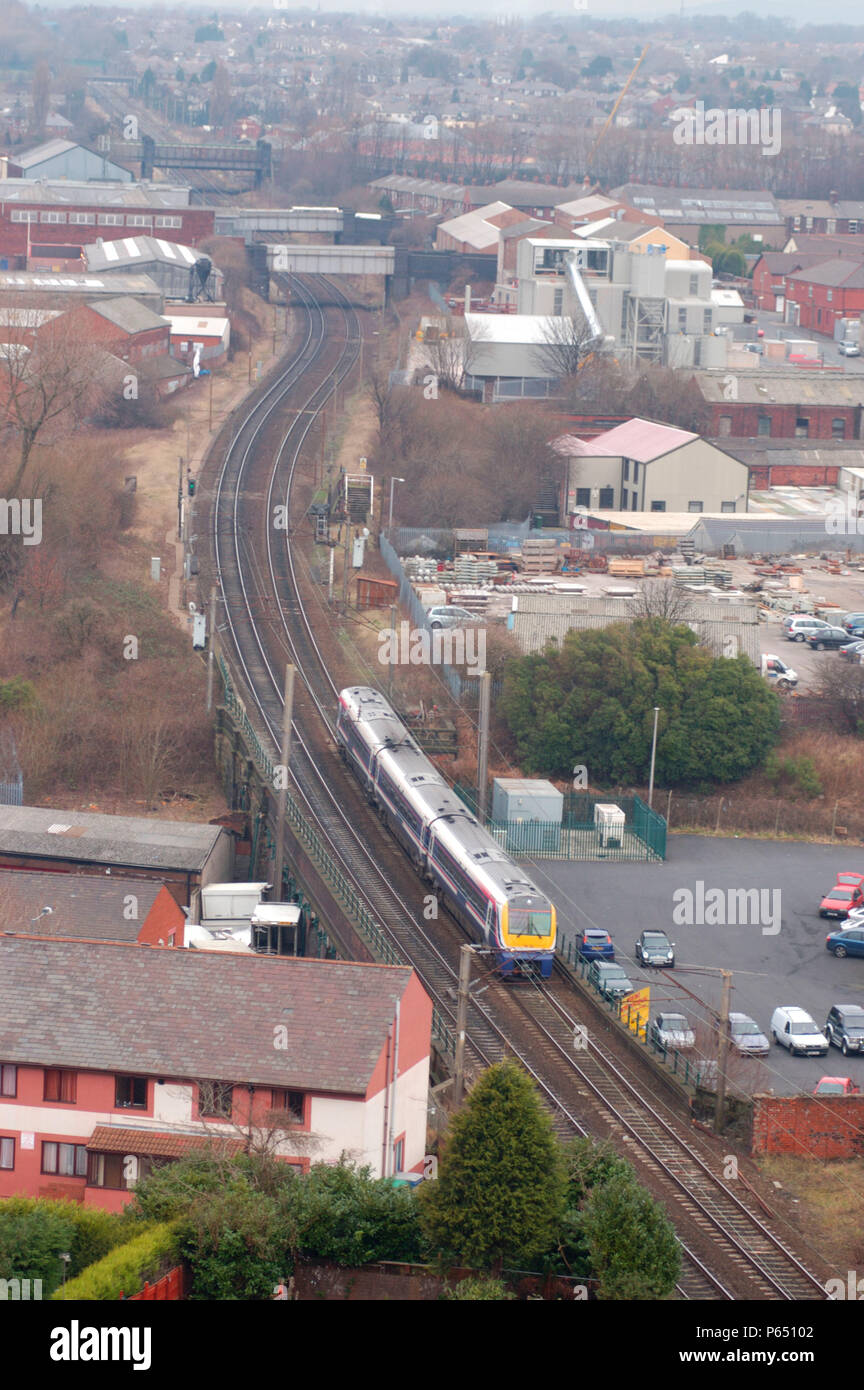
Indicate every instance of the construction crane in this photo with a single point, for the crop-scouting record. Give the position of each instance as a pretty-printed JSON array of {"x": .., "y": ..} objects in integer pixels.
[{"x": 612, "y": 114}]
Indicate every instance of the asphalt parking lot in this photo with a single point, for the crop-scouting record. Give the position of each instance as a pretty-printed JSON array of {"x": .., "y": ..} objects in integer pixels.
[{"x": 789, "y": 967}]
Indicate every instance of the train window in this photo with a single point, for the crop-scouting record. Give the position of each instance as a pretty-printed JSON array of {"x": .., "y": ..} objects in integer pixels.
[{"x": 530, "y": 921}]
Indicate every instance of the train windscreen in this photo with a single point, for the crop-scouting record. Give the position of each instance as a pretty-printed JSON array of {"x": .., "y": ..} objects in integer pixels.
[{"x": 530, "y": 917}]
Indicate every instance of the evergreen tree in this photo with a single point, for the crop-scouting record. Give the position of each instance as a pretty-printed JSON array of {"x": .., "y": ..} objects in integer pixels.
[
  {"x": 631, "y": 1243},
  {"x": 499, "y": 1196}
]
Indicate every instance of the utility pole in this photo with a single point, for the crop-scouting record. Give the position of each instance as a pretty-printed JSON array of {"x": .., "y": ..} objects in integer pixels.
[
  {"x": 345, "y": 568},
  {"x": 723, "y": 1052},
  {"x": 332, "y": 567},
  {"x": 653, "y": 758},
  {"x": 282, "y": 799},
  {"x": 483, "y": 745},
  {"x": 180, "y": 498},
  {"x": 210, "y": 405},
  {"x": 393, "y": 612},
  {"x": 211, "y": 653},
  {"x": 461, "y": 1023},
  {"x": 323, "y": 439}
]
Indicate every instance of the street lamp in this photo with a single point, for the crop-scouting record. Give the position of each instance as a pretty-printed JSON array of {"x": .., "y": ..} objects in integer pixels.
[
  {"x": 653, "y": 758},
  {"x": 390, "y": 522}
]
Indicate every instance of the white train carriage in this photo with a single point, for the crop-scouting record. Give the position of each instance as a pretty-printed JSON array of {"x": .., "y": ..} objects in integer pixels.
[{"x": 483, "y": 887}]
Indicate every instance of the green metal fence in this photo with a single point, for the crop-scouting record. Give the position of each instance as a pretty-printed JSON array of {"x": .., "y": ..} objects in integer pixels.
[
  {"x": 576, "y": 837},
  {"x": 382, "y": 949}
]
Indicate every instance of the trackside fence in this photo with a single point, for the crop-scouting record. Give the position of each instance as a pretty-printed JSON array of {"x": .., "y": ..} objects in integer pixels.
[{"x": 642, "y": 838}]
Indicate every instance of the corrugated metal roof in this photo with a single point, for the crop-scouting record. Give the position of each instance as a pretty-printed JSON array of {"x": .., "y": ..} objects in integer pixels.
[
  {"x": 142, "y": 250},
  {"x": 642, "y": 440},
  {"x": 128, "y": 314},
  {"x": 133, "y": 840},
  {"x": 792, "y": 387},
  {"x": 83, "y": 194}
]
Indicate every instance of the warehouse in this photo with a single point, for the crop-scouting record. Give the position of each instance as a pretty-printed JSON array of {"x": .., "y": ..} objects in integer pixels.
[
  {"x": 172, "y": 266},
  {"x": 63, "y": 159}
]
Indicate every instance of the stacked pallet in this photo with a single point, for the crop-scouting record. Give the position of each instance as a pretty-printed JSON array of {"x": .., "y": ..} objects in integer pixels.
[
  {"x": 474, "y": 600},
  {"x": 468, "y": 569},
  {"x": 623, "y": 568},
  {"x": 539, "y": 555}
]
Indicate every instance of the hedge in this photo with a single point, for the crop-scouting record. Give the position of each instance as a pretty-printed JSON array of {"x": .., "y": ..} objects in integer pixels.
[
  {"x": 125, "y": 1269},
  {"x": 35, "y": 1230}
]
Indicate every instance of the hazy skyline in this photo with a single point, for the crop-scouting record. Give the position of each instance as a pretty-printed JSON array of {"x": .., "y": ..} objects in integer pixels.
[{"x": 799, "y": 11}]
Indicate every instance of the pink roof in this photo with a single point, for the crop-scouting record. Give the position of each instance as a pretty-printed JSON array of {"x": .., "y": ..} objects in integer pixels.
[{"x": 642, "y": 440}]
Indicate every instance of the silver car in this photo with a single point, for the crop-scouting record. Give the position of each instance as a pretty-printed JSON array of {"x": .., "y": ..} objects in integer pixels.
[
  {"x": 747, "y": 1036},
  {"x": 671, "y": 1032},
  {"x": 448, "y": 615}
]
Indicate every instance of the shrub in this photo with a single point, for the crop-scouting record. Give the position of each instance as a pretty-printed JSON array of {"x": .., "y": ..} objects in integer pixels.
[
  {"x": 34, "y": 1232},
  {"x": 125, "y": 1269},
  {"x": 478, "y": 1290}
]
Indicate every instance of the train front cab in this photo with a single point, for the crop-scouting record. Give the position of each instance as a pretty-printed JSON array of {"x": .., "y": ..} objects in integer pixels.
[{"x": 532, "y": 951}]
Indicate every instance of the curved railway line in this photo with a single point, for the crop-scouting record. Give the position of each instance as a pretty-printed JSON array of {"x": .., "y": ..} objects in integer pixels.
[{"x": 729, "y": 1252}]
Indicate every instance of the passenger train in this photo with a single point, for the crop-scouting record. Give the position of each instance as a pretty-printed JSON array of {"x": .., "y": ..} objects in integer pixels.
[{"x": 481, "y": 885}]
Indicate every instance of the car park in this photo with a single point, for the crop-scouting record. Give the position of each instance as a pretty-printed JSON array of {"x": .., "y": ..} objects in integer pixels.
[
  {"x": 593, "y": 943},
  {"x": 843, "y": 899},
  {"x": 852, "y": 650},
  {"x": 747, "y": 1037},
  {"x": 850, "y": 620},
  {"x": 848, "y": 941},
  {"x": 844, "y": 1028},
  {"x": 825, "y": 637},
  {"x": 671, "y": 1032},
  {"x": 448, "y": 615},
  {"x": 835, "y": 1086},
  {"x": 609, "y": 979},
  {"x": 799, "y": 626},
  {"x": 655, "y": 948},
  {"x": 794, "y": 1029}
]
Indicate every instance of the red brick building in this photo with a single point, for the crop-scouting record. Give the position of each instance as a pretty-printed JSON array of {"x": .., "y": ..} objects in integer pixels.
[
  {"x": 123, "y": 327},
  {"x": 816, "y": 296},
  {"x": 113, "y": 908},
  {"x": 69, "y": 213},
  {"x": 144, "y": 1053},
  {"x": 782, "y": 405}
]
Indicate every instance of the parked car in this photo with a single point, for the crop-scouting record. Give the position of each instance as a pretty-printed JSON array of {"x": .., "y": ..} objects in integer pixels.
[
  {"x": 671, "y": 1032},
  {"x": 843, "y": 899},
  {"x": 844, "y": 1028},
  {"x": 835, "y": 1086},
  {"x": 758, "y": 348},
  {"x": 655, "y": 948},
  {"x": 594, "y": 943},
  {"x": 850, "y": 620},
  {"x": 849, "y": 877},
  {"x": 448, "y": 615},
  {"x": 609, "y": 979},
  {"x": 798, "y": 626},
  {"x": 747, "y": 1036},
  {"x": 847, "y": 349},
  {"x": 852, "y": 649},
  {"x": 794, "y": 1028},
  {"x": 825, "y": 637},
  {"x": 849, "y": 941}
]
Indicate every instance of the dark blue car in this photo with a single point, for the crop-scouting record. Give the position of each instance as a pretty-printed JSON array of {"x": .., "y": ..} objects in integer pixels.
[
  {"x": 593, "y": 943},
  {"x": 849, "y": 941}
]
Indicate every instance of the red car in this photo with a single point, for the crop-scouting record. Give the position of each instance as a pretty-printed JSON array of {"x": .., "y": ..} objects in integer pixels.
[
  {"x": 851, "y": 880},
  {"x": 835, "y": 1086},
  {"x": 842, "y": 900}
]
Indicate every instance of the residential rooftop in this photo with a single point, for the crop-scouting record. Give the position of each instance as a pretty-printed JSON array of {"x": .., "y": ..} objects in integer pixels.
[{"x": 27, "y": 831}]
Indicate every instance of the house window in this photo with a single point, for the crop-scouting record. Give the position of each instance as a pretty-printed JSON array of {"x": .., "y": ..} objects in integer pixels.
[
  {"x": 138, "y": 220},
  {"x": 399, "y": 1155},
  {"x": 727, "y": 506},
  {"x": 111, "y": 219},
  {"x": 724, "y": 425},
  {"x": 130, "y": 1092},
  {"x": 852, "y": 224},
  {"x": 697, "y": 353},
  {"x": 626, "y": 470},
  {"x": 635, "y": 471},
  {"x": 83, "y": 219},
  {"x": 557, "y": 303},
  {"x": 106, "y": 1170},
  {"x": 8, "y": 1079},
  {"x": 808, "y": 223},
  {"x": 796, "y": 224},
  {"x": 694, "y": 285},
  {"x": 7, "y": 1153},
  {"x": 832, "y": 225},
  {"x": 763, "y": 426},
  {"x": 583, "y": 497},
  {"x": 838, "y": 428},
  {"x": 65, "y": 1160},
  {"x": 706, "y": 320},
  {"x": 184, "y": 347},
  {"x": 809, "y": 291},
  {"x": 607, "y": 499},
  {"x": 52, "y": 217},
  {"x": 169, "y": 221},
  {"x": 830, "y": 296},
  {"x": 24, "y": 215},
  {"x": 658, "y": 506},
  {"x": 215, "y": 1099},
  {"x": 290, "y": 1103},
  {"x": 802, "y": 427},
  {"x": 682, "y": 319},
  {"x": 633, "y": 501},
  {"x": 60, "y": 1085},
  {"x": 695, "y": 507}
]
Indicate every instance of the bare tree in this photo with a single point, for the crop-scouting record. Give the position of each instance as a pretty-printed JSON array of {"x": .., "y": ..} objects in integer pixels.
[
  {"x": 452, "y": 351},
  {"x": 569, "y": 341},
  {"x": 844, "y": 690},
  {"x": 661, "y": 598},
  {"x": 40, "y": 92}
]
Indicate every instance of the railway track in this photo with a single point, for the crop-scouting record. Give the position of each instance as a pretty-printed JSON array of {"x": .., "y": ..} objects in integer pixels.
[{"x": 728, "y": 1251}]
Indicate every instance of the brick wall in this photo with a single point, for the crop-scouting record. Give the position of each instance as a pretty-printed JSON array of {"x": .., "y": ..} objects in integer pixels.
[{"x": 809, "y": 1126}]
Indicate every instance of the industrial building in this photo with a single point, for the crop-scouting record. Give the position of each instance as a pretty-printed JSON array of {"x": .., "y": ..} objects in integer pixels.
[
  {"x": 687, "y": 211},
  {"x": 171, "y": 265},
  {"x": 63, "y": 159}
]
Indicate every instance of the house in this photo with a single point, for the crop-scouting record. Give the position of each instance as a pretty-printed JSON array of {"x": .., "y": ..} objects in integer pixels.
[
  {"x": 184, "y": 855},
  {"x": 152, "y": 1053},
  {"x": 832, "y": 216},
  {"x": 782, "y": 405},
  {"x": 817, "y": 296},
  {"x": 124, "y": 327},
  {"x": 104, "y": 908},
  {"x": 643, "y": 466},
  {"x": 206, "y": 336},
  {"x": 63, "y": 159}
]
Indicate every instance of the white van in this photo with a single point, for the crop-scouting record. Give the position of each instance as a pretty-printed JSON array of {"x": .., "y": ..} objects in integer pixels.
[{"x": 794, "y": 1028}]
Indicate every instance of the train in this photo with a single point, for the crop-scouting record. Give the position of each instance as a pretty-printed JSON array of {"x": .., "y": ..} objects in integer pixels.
[{"x": 484, "y": 889}]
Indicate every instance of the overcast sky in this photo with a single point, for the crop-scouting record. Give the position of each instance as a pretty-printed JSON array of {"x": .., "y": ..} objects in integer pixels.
[{"x": 801, "y": 11}]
